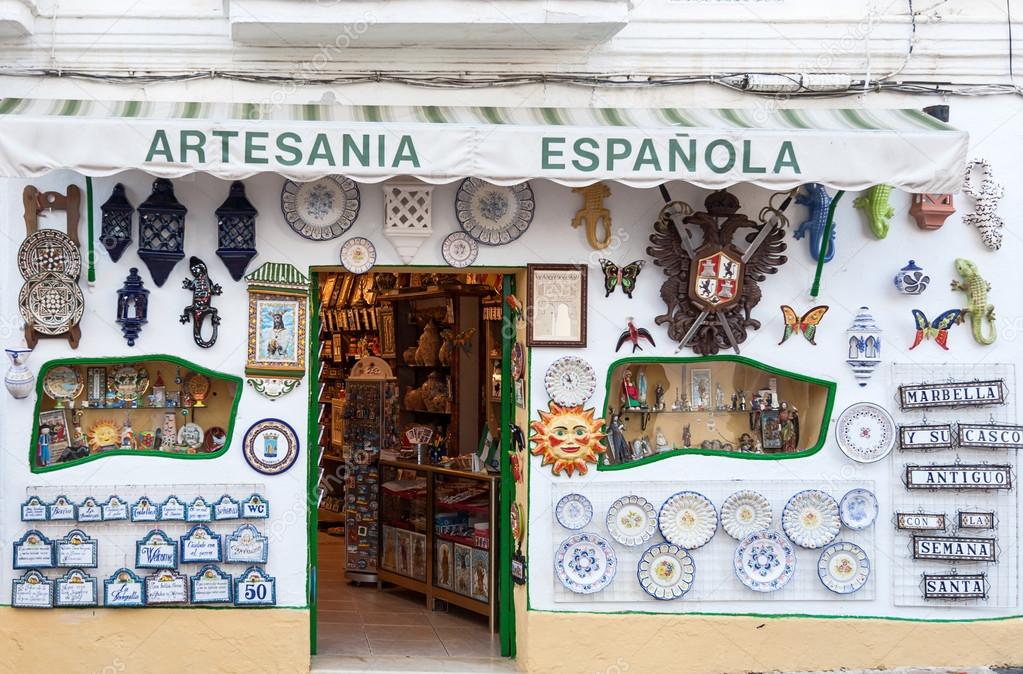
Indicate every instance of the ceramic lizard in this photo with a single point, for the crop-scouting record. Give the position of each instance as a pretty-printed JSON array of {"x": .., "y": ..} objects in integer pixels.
[
  {"x": 979, "y": 309},
  {"x": 817, "y": 199},
  {"x": 203, "y": 290},
  {"x": 879, "y": 211}
]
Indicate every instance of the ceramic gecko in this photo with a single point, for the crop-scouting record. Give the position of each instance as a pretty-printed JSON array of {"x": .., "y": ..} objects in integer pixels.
[
  {"x": 979, "y": 309},
  {"x": 593, "y": 213},
  {"x": 203, "y": 291},
  {"x": 985, "y": 198},
  {"x": 817, "y": 199},
  {"x": 879, "y": 211}
]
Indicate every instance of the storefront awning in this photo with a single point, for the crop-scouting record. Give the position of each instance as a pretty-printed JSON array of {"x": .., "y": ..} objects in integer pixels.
[{"x": 713, "y": 148}]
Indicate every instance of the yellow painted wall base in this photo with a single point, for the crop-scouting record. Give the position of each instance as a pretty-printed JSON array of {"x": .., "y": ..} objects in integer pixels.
[
  {"x": 645, "y": 644},
  {"x": 110, "y": 641}
]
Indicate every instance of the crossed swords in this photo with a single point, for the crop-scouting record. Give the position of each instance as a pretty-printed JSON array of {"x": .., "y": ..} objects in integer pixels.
[{"x": 673, "y": 210}]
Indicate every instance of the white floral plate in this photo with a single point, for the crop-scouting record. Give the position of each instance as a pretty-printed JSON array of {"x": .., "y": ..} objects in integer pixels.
[
  {"x": 491, "y": 214},
  {"x": 666, "y": 571},
  {"x": 585, "y": 563},
  {"x": 858, "y": 508},
  {"x": 459, "y": 249},
  {"x": 744, "y": 512},
  {"x": 631, "y": 520},
  {"x": 688, "y": 519},
  {"x": 810, "y": 519},
  {"x": 865, "y": 432},
  {"x": 843, "y": 567},
  {"x": 765, "y": 561},
  {"x": 574, "y": 511},
  {"x": 321, "y": 209}
]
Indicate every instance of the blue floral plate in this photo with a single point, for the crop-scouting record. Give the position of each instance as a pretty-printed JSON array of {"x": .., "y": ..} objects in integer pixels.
[{"x": 765, "y": 561}]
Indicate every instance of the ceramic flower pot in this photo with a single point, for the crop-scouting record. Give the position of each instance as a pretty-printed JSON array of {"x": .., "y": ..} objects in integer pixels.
[{"x": 19, "y": 379}]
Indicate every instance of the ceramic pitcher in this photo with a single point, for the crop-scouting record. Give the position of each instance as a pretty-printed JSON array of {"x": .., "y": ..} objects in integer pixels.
[{"x": 19, "y": 379}]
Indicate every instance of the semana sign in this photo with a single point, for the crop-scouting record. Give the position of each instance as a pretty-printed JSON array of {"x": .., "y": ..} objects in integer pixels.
[
  {"x": 955, "y": 586},
  {"x": 958, "y": 476},
  {"x": 952, "y": 394},
  {"x": 954, "y": 548},
  {"x": 920, "y": 521},
  {"x": 937, "y": 436},
  {"x": 991, "y": 436}
]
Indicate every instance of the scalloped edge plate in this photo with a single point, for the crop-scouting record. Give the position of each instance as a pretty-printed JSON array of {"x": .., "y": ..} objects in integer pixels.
[
  {"x": 683, "y": 576},
  {"x": 573, "y": 520},
  {"x": 632, "y": 502},
  {"x": 695, "y": 535},
  {"x": 792, "y": 518},
  {"x": 744, "y": 512}
]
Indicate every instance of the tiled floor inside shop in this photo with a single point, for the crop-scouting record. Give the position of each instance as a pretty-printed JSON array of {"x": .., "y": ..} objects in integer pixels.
[{"x": 359, "y": 620}]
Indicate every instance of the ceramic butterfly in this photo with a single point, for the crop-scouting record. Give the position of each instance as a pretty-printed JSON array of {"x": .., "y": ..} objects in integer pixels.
[
  {"x": 626, "y": 276},
  {"x": 807, "y": 325},
  {"x": 938, "y": 328}
]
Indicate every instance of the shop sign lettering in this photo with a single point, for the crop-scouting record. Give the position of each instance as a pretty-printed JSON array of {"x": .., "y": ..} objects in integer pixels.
[
  {"x": 991, "y": 436},
  {"x": 959, "y": 477},
  {"x": 954, "y": 548},
  {"x": 255, "y": 507},
  {"x": 226, "y": 509},
  {"x": 976, "y": 520},
  {"x": 952, "y": 394},
  {"x": 926, "y": 437},
  {"x": 920, "y": 522},
  {"x": 953, "y": 586}
]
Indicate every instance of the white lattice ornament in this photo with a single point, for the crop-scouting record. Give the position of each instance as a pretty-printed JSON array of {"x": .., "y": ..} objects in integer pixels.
[{"x": 407, "y": 217}]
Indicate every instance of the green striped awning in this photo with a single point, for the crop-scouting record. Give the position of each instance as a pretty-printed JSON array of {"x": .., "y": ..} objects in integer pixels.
[
  {"x": 769, "y": 146},
  {"x": 278, "y": 275}
]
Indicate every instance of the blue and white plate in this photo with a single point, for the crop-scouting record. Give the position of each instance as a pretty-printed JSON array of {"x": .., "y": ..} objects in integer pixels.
[
  {"x": 321, "y": 209},
  {"x": 491, "y": 214},
  {"x": 858, "y": 508},
  {"x": 358, "y": 255},
  {"x": 765, "y": 561},
  {"x": 585, "y": 563},
  {"x": 843, "y": 567},
  {"x": 574, "y": 511},
  {"x": 666, "y": 571},
  {"x": 459, "y": 249}
]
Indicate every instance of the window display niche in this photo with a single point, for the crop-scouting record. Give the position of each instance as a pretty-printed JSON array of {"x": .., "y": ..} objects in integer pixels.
[
  {"x": 157, "y": 405},
  {"x": 719, "y": 405}
]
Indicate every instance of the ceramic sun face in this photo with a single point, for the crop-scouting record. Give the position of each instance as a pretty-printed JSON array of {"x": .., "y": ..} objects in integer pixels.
[{"x": 567, "y": 438}]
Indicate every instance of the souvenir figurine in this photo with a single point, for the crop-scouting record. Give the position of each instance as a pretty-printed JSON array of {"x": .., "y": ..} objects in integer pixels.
[
  {"x": 203, "y": 291},
  {"x": 677, "y": 406},
  {"x": 816, "y": 198},
  {"x": 567, "y": 438},
  {"x": 938, "y": 329},
  {"x": 788, "y": 418},
  {"x": 127, "y": 435},
  {"x": 745, "y": 442},
  {"x": 660, "y": 441},
  {"x": 806, "y": 325},
  {"x": 687, "y": 436},
  {"x": 623, "y": 276},
  {"x": 742, "y": 401},
  {"x": 879, "y": 211},
  {"x": 864, "y": 346},
  {"x": 659, "y": 398},
  {"x": 641, "y": 387},
  {"x": 637, "y": 449},
  {"x": 719, "y": 398},
  {"x": 979, "y": 309},
  {"x": 593, "y": 213},
  {"x": 735, "y": 402},
  {"x": 911, "y": 279},
  {"x": 616, "y": 433},
  {"x": 44, "y": 444},
  {"x": 634, "y": 334},
  {"x": 985, "y": 203}
]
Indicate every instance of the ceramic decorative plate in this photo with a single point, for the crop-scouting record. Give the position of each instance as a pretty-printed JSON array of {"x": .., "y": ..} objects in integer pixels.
[
  {"x": 515, "y": 514},
  {"x": 843, "y": 567},
  {"x": 865, "y": 432},
  {"x": 128, "y": 382},
  {"x": 810, "y": 519},
  {"x": 62, "y": 383},
  {"x": 518, "y": 361},
  {"x": 459, "y": 249},
  {"x": 570, "y": 381},
  {"x": 585, "y": 563},
  {"x": 744, "y": 512},
  {"x": 358, "y": 255},
  {"x": 270, "y": 446},
  {"x": 688, "y": 519},
  {"x": 631, "y": 520},
  {"x": 49, "y": 250},
  {"x": 666, "y": 571},
  {"x": 574, "y": 511},
  {"x": 52, "y": 302},
  {"x": 322, "y": 209},
  {"x": 858, "y": 508},
  {"x": 765, "y": 561},
  {"x": 494, "y": 215},
  {"x": 191, "y": 435}
]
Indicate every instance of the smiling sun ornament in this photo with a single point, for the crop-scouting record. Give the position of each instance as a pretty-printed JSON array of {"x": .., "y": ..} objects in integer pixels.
[{"x": 568, "y": 438}]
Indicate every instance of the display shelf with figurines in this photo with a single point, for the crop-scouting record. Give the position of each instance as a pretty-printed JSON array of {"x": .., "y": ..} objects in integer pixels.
[{"x": 156, "y": 405}]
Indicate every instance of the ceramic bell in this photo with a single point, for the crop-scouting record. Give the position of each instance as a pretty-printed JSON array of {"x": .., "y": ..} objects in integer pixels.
[
  {"x": 864, "y": 346},
  {"x": 911, "y": 279}
]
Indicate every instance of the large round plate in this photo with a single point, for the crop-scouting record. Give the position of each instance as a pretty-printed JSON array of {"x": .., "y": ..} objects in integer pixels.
[
  {"x": 570, "y": 381},
  {"x": 666, "y": 571},
  {"x": 52, "y": 302},
  {"x": 688, "y": 519},
  {"x": 810, "y": 519},
  {"x": 858, "y": 508},
  {"x": 270, "y": 446},
  {"x": 765, "y": 561},
  {"x": 515, "y": 514},
  {"x": 494, "y": 215},
  {"x": 62, "y": 383},
  {"x": 585, "y": 563},
  {"x": 49, "y": 250},
  {"x": 865, "y": 432},
  {"x": 459, "y": 249},
  {"x": 574, "y": 511},
  {"x": 322, "y": 209},
  {"x": 128, "y": 382},
  {"x": 744, "y": 512},
  {"x": 843, "y": 567},
  {"x": 631, "y": 520},
  {"x": 358, "y": 255}
]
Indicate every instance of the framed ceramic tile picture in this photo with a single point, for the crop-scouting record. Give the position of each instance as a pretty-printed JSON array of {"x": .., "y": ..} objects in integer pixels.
[
  {"x": 388, "y": 549},
  {"x": 403, "y": 553},
  {"x": 385, "y": 328},
  {"x": 699, "y": 388},
  {"x": 770, "y": 429},
  {"x": 418, "y": 562},
  {"x": 444, "y": 565},
  {"x": 463, "y": 570},
  {"x": 54, "y": 423},
  {"x": 480, "y": 574},
  {"x": 556, "y": 305},
  {"x": 277, "y": 333}
]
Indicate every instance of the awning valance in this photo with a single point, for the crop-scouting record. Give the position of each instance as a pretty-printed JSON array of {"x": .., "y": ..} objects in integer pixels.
[{"x": 771, "y": 147}]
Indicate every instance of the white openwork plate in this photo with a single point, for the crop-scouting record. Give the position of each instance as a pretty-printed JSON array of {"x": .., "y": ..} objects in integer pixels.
[
  {"x": 491, "y": 214},
  {"x": 765, "y": 561},
  {"x": 49, "y": 250},
  {"x": 358, "y": 255},
  {"x": 744, "y": 512},
  {"x": 858, "y": 508},
  {"x": 843, "y": 567},
  {"x": 666, "y": 571},
  {"x": 53, "y": 303},
  {"x": 585, "y": 563},
  {"x": 321, "y": 209},
  {"x": 865, "y": 432},
  {"x": 631, "y": 520},
  {"x": 459, "y": 249},
  {"x": 810, "y": 519},
  {"x": 574, "y": 511},
  {"x": 570, "y": 381},
  {"x": 688, "y": 519}
]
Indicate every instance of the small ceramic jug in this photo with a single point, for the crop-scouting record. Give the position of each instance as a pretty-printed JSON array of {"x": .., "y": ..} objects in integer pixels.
[
  {"x": 19, "y": 379},
  {"x": 911, "y": 279}
]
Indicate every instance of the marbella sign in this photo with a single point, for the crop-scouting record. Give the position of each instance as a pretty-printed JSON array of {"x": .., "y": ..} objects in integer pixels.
[{"x": 952, "y": 394}]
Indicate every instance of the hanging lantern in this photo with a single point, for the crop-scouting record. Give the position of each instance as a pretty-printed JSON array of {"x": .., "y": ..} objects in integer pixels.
[
  {"x": 117, "y": 213},
  {"x": 931, "y": 210},
  {"x": 864, "y": 346},
  {"x": 132, "y": 306},
  {"x": 236, "y": 231},
  {"x": 161, "y": 230}
]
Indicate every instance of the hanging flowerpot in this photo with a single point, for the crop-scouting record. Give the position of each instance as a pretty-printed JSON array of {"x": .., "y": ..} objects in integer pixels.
[
  {"x": 161, "y": 231},
  {"x": 117, "y": 214},
  {"x": 236, "y": 231}
]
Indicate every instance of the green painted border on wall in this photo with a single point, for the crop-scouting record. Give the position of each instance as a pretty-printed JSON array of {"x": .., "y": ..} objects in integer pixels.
[
  {"x": 313, "y": 454},
  {"x": 118, "y": 360},
  {"x": 822, "y": 437}
]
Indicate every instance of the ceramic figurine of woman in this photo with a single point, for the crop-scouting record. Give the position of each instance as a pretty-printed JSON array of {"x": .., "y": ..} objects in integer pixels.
[
  {"x": 677, "y": 406},
  {"x": 789, "y": 419},
  {"x": 719, "y": 397},
  {"x": 641, "y": 385},
  {"x": 660, "y": 441},
  {"x": 630, "y": 394},
  {"x": 619, "y": 445},
  {"x": 44, "y": 445},
  {"x": 659, "y": 398},
  {"x": 687, "y": 436}
]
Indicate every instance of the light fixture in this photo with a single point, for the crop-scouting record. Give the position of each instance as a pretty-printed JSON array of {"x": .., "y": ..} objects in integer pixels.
[
  {"x": 132, "y": 306},
  {"x": 161, "y": 231},
  {"x": 116, "y": 232},
  {"x": 236, "y": 231}
]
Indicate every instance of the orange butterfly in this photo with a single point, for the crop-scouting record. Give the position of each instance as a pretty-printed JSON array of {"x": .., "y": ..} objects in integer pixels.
[{"x": 806, "y": 325}]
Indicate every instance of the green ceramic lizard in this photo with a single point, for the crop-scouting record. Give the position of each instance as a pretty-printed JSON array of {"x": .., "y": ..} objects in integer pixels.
[
  {"x": 979, "y": 310},
  {"x": 875, "y": 203}
]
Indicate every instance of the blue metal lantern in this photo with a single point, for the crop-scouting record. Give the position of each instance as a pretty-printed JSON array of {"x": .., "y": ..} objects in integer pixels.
[
  {"x": 117, "y": 213},
  {"x": 132, "y": 306},
  {"x": 161, "y": 230},
  {"x": 236, "y": 231}
]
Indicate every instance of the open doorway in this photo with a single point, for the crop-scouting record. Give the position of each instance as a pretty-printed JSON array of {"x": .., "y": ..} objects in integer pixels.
[{"x": 409, "y": 408}]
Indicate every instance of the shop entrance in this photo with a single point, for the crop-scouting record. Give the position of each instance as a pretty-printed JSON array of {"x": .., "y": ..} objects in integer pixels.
[{"x": 407, "y": 407}]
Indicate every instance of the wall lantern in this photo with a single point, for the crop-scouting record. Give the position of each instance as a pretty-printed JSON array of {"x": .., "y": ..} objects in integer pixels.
[
  {"x": 161, "y": 231},
  {"x": 236, "y": 231},
  {"x": 931, "y": 210},
  {"x": 132, "y": 306},
  {"x": 864, "y": 346},
  {"x": 117, "y": 214}
]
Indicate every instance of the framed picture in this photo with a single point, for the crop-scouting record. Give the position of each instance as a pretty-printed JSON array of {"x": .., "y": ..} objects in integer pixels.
[
  {"x": 556, "y": 305},
  {"x": 403, "y": 553},
  {"x": 463, "y": 570},
  {"x": 770, "y": 429},
  {"x": 56, "y": 421},
  {"x": 337, "y": 422},
  {"x": 277, "y": 333},
  {"x": 699, "y": 389},
  {"x": 343, "y": 291},
  {"x": 444, "y": 566},
  {"x": 385, "y": 327},
  {"x": 480, "y": 574}
]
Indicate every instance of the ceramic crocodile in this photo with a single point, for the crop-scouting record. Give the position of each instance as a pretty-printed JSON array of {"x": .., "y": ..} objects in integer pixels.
[
  {"x": 979, "y": 309},
  {"x": 817, "y": 199},
  {"x": 879, "y": 211}
]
